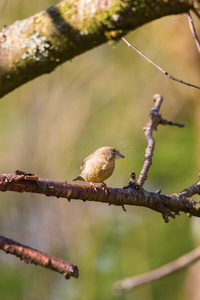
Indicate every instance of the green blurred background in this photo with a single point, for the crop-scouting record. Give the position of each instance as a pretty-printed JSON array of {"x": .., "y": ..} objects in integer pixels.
[{"x": 49, "y": 125}]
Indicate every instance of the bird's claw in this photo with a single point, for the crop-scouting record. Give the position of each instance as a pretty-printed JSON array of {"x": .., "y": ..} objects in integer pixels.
[
  {"x": 105, "y": 188},
  {"x": 94, "y": 186}
]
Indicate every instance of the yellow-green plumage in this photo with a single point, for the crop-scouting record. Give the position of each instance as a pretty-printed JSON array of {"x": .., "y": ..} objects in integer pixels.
[{"x": 99, "y": 165}]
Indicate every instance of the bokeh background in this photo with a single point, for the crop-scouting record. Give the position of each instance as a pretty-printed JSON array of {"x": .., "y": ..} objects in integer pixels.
[{"x": 49, "y": 125}]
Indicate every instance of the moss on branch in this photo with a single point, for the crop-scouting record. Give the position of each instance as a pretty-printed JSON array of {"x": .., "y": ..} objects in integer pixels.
[{"x": 37, "y": 45}]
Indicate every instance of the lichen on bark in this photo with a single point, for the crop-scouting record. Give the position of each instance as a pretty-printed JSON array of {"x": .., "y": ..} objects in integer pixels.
[{"x": 37, "y": 45}]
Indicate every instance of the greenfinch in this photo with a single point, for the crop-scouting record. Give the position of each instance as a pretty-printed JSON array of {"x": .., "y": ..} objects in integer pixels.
[{"x": 99, "y": 166}]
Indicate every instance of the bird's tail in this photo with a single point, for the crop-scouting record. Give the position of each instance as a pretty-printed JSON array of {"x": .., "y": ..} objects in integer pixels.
[{"x": 79, "y": 178}]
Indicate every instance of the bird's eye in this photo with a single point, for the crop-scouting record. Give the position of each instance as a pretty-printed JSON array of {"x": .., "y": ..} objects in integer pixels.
[{"x": 114, "y": 152}]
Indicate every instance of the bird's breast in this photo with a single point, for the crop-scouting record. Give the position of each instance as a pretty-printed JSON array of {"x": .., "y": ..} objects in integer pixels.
[{"x": 96, "y": 171}]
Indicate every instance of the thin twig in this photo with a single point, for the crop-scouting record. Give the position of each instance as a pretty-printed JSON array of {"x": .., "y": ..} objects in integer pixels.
[
  {"x": 193, "y": 30},
  {"x": 155, "y": 120},
  {"x": 196, "y": 12},
  {"x": 151, "y": 143},
  {"x": 192, "y": 190},
  {"x": 166, "y": 122},
  {"x": 33, "y": 256},
  {"x": 128, "y": 284},
  {"x": 159, "y": 68}
]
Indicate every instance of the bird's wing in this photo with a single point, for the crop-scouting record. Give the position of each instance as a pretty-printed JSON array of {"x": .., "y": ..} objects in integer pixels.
[
  {"x": 104, "y": 165},
  {"x": 84, "y": 162}
]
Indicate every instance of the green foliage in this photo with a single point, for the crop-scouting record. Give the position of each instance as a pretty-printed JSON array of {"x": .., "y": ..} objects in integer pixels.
[{"x": 10, "y": 283}]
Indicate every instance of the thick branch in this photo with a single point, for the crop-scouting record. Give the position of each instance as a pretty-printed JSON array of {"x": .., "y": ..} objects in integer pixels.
[
  {"x": 37, "y": 45},
  {"x": 177, "y": 265},
  {"x": 165, "y": 204},
  {"x": 30, "y": 255}
]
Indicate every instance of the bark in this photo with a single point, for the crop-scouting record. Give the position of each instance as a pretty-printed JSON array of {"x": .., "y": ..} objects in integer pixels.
[
  {"x": 130, "y": 195},
  {"x": 37, "y": 45},
  {"x": 33, "y": 256}
]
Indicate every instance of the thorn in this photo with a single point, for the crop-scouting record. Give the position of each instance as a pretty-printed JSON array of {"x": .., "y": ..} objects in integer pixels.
[
  {"x": 158, "y": 192},
  {"x": 132, "y": 177},
  {"x": 167, "y": 214},
  {"x": 18, "y": 172},
  {"x": 123, "y": 207}
]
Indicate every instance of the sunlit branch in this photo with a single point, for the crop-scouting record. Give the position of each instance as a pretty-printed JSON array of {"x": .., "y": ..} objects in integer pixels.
[
  {"x": 39, "y": 44},
  {"x": 155, "y": 120},
  {"x": 167, "y": 205},
  {"x": 33, "y": 256},
  {"x": 192, "y": 190}
]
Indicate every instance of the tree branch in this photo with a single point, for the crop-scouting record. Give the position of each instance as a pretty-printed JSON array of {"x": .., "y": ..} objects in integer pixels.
[
  {"x": 37, "y": 45},
  {"x": 159, "y": 68},
  {"x": 30, "y": 255},
  {"x": 193, "y": 30},
  {"x": 131, "y": 195},
  {"x": 191, "y": 191},
  {"x": 128, "y": 284},
  {"x": 155, "y": 120}
]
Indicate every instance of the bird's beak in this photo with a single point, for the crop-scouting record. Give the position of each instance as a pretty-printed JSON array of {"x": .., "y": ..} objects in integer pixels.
[{"x": 119, "y": 155}]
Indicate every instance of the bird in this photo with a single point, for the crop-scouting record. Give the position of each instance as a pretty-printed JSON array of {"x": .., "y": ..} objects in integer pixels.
[{"x": 99, "y": 166}]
